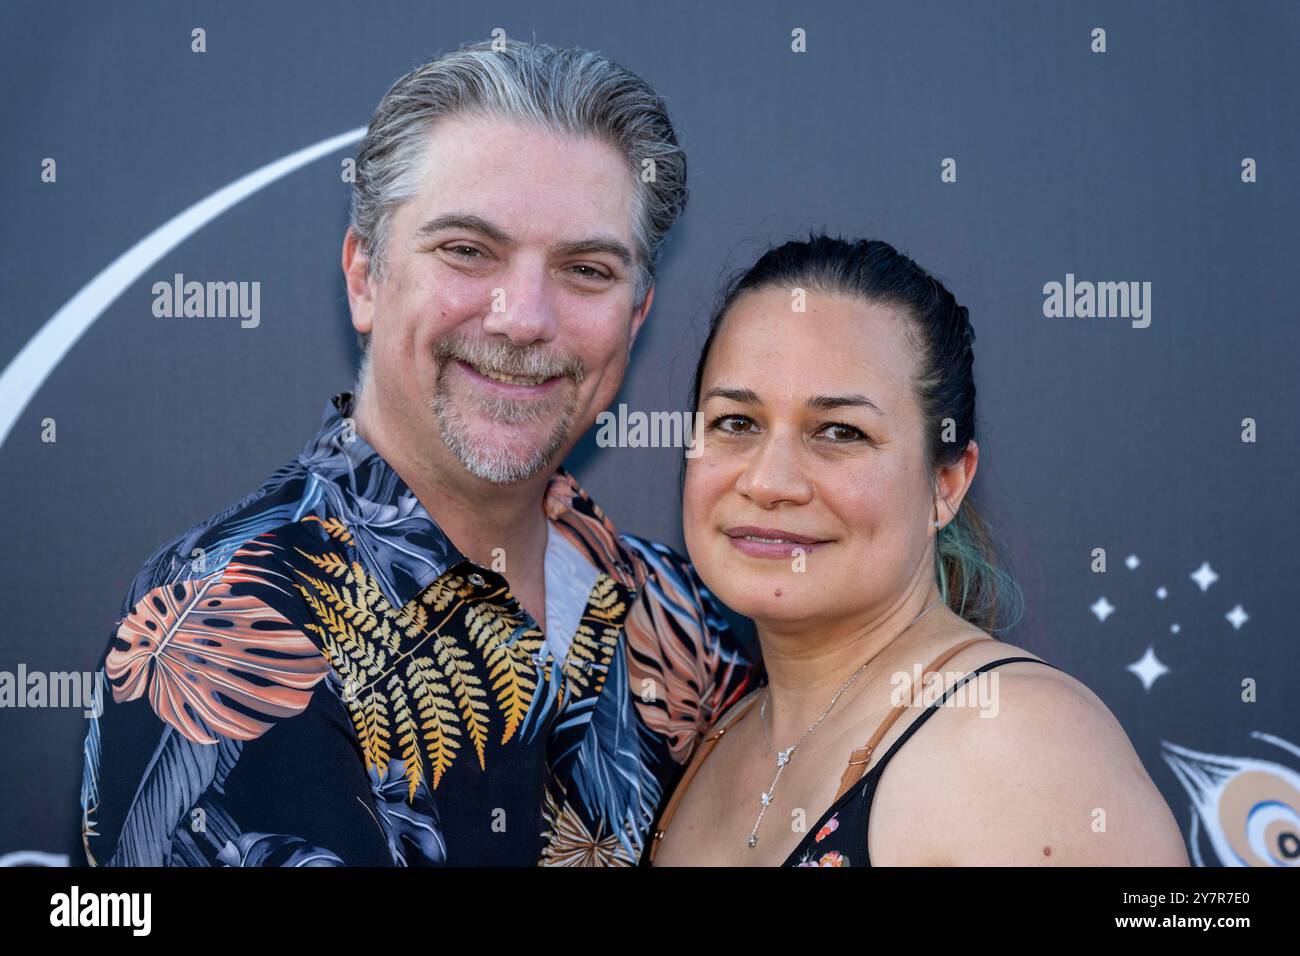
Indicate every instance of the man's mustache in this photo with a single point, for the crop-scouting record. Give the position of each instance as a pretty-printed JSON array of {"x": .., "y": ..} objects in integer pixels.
[{"x": 503, "y": 357}]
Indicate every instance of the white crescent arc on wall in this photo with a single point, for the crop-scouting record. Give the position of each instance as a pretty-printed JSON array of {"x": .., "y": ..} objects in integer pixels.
[{"x": 41, "y": 355}]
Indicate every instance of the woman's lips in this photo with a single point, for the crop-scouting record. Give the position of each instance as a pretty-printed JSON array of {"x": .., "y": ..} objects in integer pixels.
[{"x": 771, "y": 542}]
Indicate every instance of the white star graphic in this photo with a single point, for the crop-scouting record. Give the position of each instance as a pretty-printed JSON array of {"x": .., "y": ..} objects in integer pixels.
[
  {"x": 1161, "y": 593},
  {"x": 1175, "y": 628},
  {"x": 1204, "y": 576},
  {"x": 1237, "y": 617},
  {"x": 1102, "y": 608},
  {"x": 1148, "y": 669},
  {"x": 1132, "y": 562}
]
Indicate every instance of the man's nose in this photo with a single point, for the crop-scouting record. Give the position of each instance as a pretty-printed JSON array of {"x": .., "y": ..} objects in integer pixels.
[{"x": 523, "y": 307}]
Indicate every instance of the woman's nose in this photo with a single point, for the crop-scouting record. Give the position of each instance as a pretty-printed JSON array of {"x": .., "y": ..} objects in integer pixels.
[{"x": 776, "y": 473}]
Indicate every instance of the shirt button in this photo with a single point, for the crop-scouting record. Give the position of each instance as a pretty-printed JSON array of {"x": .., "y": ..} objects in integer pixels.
[{"x": 476, "y": 579}]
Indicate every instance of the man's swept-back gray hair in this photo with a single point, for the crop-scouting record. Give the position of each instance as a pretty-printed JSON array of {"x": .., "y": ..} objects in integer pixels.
[{"x": 567, "y": 92}]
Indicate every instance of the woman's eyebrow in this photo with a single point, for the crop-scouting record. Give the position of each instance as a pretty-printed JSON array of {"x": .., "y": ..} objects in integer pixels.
[
  {"x": 745, "y": 396},
  {"x": 842, "y": 401}
]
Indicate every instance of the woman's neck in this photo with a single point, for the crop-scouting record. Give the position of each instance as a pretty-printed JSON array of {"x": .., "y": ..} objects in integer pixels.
[{"x": 807, "y": 665}]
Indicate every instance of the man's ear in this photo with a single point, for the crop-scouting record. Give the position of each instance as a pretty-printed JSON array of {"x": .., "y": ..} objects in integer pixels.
[
  {"x": 954, "y": 481},
  {"x": 639, "y": 316},
  {"x": 356, "y": 267}
]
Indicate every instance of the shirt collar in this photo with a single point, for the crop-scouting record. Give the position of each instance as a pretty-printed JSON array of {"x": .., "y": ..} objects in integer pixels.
[{"x": 395, "y": 537}]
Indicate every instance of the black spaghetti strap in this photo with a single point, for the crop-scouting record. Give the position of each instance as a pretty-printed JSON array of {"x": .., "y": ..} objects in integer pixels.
[
  {"x": 929, "y": 711},
  {"x": 873, "y": 775},
  {"x": 858, "y": 818}
]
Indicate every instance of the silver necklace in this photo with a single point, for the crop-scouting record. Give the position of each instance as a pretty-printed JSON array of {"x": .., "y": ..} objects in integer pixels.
[{"x": 783, "y": 756}]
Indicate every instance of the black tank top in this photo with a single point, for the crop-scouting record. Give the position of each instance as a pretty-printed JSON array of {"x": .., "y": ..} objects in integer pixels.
[{"x": 839, "y": 838}]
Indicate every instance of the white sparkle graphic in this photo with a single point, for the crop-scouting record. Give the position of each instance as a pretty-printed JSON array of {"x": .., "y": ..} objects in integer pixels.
[
  {"x": 1204, "y": 576},
  {"x": 1148, "y": 669},
  {"x": 1102, "y": 608}
]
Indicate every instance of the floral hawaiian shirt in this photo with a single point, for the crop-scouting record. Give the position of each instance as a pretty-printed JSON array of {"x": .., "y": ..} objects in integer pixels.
[{"x": 316, "y": 676}]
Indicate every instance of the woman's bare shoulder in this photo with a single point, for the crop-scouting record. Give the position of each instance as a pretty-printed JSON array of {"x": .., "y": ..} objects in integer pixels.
[
  {"x": 1054, "y": 685},
  {"x": 1054, "y": 778}
]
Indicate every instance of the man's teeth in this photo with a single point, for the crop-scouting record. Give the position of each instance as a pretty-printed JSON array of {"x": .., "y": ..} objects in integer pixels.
[{"x": 508, "y": 379}]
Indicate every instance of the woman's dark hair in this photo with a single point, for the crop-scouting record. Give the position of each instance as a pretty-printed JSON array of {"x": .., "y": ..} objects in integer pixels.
[{"x": 970, "y": 575}]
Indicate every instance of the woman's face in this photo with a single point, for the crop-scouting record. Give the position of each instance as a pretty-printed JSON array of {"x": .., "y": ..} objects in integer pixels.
[{"x": 810, "y": 500}]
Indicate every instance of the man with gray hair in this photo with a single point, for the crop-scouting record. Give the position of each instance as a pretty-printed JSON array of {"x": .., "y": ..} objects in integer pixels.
[{"x": 420, "y": 642}]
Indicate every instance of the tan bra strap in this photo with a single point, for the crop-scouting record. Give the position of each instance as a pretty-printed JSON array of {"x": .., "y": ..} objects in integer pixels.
[
  {"x": 859, "y": 759},
  {"x": 701, "y": 753}
]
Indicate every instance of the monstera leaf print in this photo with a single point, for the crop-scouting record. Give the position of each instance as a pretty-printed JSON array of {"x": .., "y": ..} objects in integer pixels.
[
  {"x": 276, "y": 849},
  {"x": 197, "y": 649},
  {"x": 672, "y": 652},
  {"x": 411, "y": 829}
]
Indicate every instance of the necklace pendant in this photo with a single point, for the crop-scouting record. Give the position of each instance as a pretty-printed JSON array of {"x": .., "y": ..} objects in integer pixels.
[
  {"x": 783, "y": 757},
  {"x": 752, "y": 841}
]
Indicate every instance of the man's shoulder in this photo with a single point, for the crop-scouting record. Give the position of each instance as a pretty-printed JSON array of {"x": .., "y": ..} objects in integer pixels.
[
  {"x": 669, "y": 576},
  {"x": 699, "y": 657},
  {"x": 207, "y": 547},
  {"x": 673, "y": 583},
  {"x": 656, "y": 554}
]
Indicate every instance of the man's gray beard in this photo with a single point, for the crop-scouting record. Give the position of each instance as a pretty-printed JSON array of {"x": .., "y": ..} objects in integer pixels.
[{"x": 502, "y": 466}]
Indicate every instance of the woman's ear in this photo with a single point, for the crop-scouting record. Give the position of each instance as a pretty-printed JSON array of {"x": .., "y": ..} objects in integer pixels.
[{"x": 953, "y": 481}]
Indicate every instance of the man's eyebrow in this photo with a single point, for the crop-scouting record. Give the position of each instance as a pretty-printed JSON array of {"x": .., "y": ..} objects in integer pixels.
[
  {"x": 465, "y": 221},
  {"x": 501, "y": 237},
  {"x": 828, "y": 402},
  {"x": 582, "y": 247}
]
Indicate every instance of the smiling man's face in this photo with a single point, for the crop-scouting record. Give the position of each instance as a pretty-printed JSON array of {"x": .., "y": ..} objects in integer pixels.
[{"x": 505, "y": 320}]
